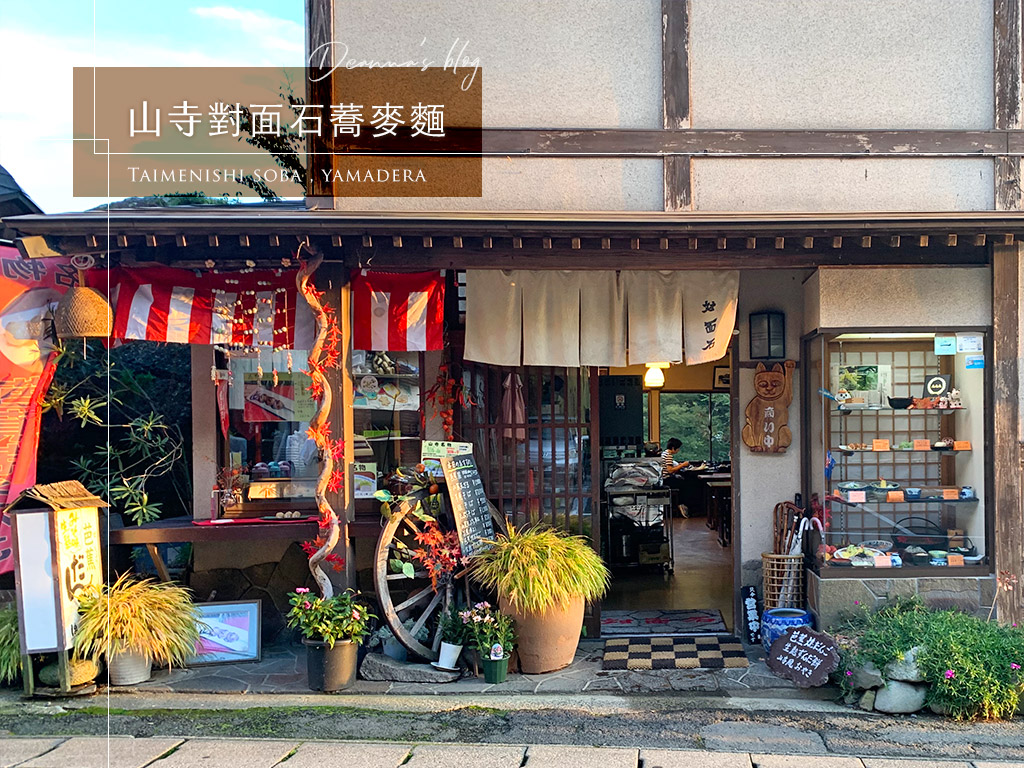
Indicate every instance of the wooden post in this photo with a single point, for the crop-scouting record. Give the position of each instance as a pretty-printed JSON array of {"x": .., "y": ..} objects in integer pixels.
[
  {"x": 319, "y": 56},
  {"x": 1008, "y": 115},
  {"x": 1008, "y": 471},
  {"x": 675, "y": 86}
]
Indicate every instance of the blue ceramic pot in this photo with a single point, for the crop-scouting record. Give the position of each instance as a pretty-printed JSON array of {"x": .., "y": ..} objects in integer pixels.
[{"x": 777, "y": 620}]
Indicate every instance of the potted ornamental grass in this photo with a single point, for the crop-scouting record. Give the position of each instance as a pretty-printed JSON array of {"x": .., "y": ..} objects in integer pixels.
[
  {"x": 455, "y": 634},
  {"x": 133, "y": 623},
  {"x": 332, "y": 629},
  {"x": 543, "y": 578},
  {"x": 492, "y": 635}
]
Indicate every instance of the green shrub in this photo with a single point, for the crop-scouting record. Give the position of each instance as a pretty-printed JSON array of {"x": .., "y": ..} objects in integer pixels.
[
  {"x": 974, "y": 668},
  {"x": 10, "y": 645}
]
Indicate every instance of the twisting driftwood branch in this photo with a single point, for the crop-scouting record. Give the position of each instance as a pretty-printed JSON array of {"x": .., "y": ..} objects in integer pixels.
[{"x": 319, "y": 429}]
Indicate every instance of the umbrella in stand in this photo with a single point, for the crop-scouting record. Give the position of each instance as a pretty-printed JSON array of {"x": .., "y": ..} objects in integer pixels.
[{"x": 796, "y": 545}]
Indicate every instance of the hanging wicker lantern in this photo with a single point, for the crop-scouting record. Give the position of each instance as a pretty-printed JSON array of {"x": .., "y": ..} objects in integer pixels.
[{"x": 82, "y": 313}]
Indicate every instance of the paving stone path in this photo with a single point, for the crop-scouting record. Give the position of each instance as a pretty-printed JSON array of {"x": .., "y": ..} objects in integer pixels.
[{"x": 128, "y": 752}]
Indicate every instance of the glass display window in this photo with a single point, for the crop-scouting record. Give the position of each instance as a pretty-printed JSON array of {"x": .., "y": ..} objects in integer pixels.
[{"x": 895, "y": 459}]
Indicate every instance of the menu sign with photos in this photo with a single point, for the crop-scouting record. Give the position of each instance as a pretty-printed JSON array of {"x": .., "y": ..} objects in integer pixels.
[
  {"x": 277, "y": 397},
  {"x": 469, "y": 504}
]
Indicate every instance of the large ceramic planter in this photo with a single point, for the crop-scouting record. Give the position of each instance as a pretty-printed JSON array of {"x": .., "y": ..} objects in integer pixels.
[
  {"x": 129, "y": 667},
  {"x": 546, "y": 641},
  {"x": 495, "y": 670},
  {"x": 330, "y": 669},
  {"x": 776, "y": 621}
]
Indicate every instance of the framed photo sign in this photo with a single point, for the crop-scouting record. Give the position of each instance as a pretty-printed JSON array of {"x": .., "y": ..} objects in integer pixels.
[{"x": 228, "y": 632}]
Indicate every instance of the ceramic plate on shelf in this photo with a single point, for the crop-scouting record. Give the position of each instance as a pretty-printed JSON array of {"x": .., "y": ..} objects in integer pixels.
[{"x": 879, "y": 544}]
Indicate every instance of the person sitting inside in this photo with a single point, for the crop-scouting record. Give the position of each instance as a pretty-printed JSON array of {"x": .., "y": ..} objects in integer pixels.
[{"x": 670, "y": 467}]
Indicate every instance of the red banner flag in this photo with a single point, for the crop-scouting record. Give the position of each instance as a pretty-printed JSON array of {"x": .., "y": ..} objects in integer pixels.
[
  {"x": 398, "y": 312},
  {"x": 29, "y": 290}
]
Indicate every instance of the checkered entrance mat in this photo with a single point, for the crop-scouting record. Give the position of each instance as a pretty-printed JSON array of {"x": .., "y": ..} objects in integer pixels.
[{"x": 717, "y": 652}]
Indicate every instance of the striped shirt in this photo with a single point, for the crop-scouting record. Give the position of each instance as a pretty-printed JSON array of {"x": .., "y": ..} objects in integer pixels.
[{"x": 667, "y": 462}]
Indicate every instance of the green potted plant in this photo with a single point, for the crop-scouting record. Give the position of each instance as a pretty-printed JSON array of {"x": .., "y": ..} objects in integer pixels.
[
  {"x": 10, "y": 645},
  {"x": 543, "y": 578},
  {"x": 331, "y": 630},
  {"x": 454, "y": 635},
  {"x": 134, "y": 622},
  {"x": 492, "y": 635}
]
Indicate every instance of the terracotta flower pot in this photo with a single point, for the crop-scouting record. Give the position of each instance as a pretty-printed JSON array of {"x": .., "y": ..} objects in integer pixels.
[{"x": 546, "y": 641}]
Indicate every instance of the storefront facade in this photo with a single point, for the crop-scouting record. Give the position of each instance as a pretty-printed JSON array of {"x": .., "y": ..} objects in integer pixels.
[{"x": 773, "y": 141}]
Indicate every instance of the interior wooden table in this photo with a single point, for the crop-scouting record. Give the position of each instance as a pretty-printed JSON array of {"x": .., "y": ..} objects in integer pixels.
[{"x": 178, "y": 530}]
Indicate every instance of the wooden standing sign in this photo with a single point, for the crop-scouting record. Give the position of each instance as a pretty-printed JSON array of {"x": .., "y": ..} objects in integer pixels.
[
  {"x": 469, "y": 504},
  {"x": 804, "y": 656}
]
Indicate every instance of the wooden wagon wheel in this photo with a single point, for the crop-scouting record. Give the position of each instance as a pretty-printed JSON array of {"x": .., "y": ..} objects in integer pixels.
[{"x": 403, "y": 598}]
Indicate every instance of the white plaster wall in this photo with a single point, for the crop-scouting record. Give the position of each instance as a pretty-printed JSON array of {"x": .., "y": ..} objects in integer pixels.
[
  {"x": 843, "y": 184},
  {"x": 924, "y": 297},
  {"x": 841, "y": 64},
  {"x": 766, "y": 479},
  {"x": 566, "y": 64},
  {"x": 542, "y": 184}
]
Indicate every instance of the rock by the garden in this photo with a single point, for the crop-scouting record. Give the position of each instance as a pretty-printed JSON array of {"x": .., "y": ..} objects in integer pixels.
[
  {"x": 938, "y": 709},
  {"x": 377, "y": 666},
  {"x": 905, "y": 669},
  {"x": 867, "y": 676},
  {"x": 899, "y": 698},
  {"x": 867, "y": 701}
]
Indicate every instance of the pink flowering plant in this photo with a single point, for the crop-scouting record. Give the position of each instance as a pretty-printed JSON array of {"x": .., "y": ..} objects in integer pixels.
[
  {"x": 486, "y": 626},
  {"x": 339, "y": 618}
]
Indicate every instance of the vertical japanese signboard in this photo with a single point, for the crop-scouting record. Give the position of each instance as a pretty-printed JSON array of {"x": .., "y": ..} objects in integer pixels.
[{"x": 469, "y": 504}]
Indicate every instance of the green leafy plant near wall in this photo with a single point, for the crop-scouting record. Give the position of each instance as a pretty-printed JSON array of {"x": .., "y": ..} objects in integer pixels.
[
  {"x": 10, "y": 645},
  {"x": 974, "y": 668},
  {"x": 129, "y": 433}
]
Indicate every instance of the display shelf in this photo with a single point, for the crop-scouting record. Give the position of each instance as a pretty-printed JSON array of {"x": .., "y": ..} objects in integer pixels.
[
  {"x": 840, "y": 449},
  {"x": 905, "y": 501},
  {"x": 887, "y": 409}
]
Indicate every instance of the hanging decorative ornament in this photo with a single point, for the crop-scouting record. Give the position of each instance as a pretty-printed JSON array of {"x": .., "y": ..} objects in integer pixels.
[
  {"x": 82, "y": 312},
  {"x": 289, "y": 361},
  {"x": 274, "y": 375}
]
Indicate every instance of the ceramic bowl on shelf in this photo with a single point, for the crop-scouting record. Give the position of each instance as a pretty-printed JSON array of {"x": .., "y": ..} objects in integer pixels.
[
  {"x": 900, "y": 402},
  {"x": 880, "y": 492},
  {"x": 880, "y": 544},
  {"x": 852, "y": 485},
  {"x": 937, "y": 554}
]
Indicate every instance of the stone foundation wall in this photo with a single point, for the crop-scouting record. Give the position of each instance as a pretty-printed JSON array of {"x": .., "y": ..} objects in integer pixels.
[{"x": 831, "y": 599}]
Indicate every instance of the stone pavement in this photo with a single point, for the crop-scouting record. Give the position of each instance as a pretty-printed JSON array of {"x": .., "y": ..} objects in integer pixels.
[
  {"x": 128, "y": 752},
  {"x": 282, "y": 670}
]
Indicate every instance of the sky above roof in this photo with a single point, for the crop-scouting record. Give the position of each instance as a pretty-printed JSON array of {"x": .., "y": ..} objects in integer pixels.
[{"x": 43, "y": 40}]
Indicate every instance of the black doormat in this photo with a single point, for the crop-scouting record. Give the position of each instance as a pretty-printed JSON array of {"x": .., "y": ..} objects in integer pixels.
[{"x": 710, "y": 652}]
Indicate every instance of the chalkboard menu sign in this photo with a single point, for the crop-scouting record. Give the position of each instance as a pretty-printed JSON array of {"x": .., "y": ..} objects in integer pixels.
[
  {"x": 804, "y": 656},
  {"x": 469, "y": 504}
]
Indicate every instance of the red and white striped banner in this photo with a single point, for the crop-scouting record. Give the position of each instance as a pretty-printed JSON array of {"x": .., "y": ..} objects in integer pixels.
[
  {"x": 176, "y": 305},
  {"x": 393, "y": 312}
]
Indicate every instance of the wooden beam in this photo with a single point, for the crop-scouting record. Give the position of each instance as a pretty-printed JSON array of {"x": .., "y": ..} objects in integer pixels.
[
  {"x": 780, "y": 242},
  {"x": 488, "y": 242},
  {"x": 808, "y": 242},
  {"x": 337, "y": 241},
  {"x": 606, "y": 243},
  {"x": 1007, "y": 64},
  {"x": 243, "y": 240},
  {"x": 274, "y": 241},
  {"x": 894, "y": 241},
  {"x": 1007, "y": 238},
  {"x": 922, "y": 241},
  {"x": 865, "y": 241},
  {"x": 428, "y": 241},
  {"x": 722, "y": 243},
  {"x": 634, "y": 243},
  {"x": 979, "y": 240},
  {"x": 546, "y": 243},
  {"x": 951, "y": 239},
  {"x": 574, "y": 243},
  {"x": 92, "y": 241},
  {"x": 396, "y": 241},
  {"x": 151, "y": 241},
  {"x": 691, "y": 243},
  {"x": 367, "y": 241},
  {"x": 320, "y": 59},
  {"x": 213, "y": 241},
  {"x": 663, "y": 243},
  {"x": 837, "y": 242},
  {"x": 122, "y": 241},
  {"x": 751, "y": 243},
  {"x": 181, "y": 241},
  {"x": 456, "y": 242},
  {"x": 675, "y": 90},
  {"x": 1008, "y": 541},
  {"x": 517, "y": 242}
]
